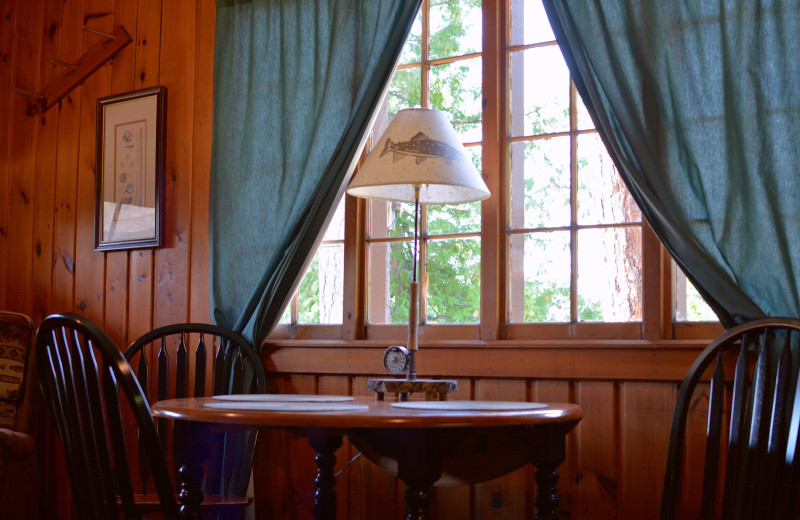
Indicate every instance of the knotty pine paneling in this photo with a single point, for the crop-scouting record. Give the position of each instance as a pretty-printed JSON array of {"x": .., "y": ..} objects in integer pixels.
[{"x": 47, "y": 164}]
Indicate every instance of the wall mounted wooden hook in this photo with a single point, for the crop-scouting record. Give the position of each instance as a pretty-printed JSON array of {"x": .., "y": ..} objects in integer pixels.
[{"x": 94, "y": 58}]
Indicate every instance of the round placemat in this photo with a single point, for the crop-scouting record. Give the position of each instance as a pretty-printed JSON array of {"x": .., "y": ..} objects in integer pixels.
[
  {"x": 291, "y": 406},
  {"x": 283, "y": 398},
  {"x": 472, "y": 406}
]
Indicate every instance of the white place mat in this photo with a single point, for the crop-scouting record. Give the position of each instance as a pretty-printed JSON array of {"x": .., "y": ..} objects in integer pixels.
[
  {"x": 479, "y": 406},
  {"x": 272, "y": 398},
  {"x": 291, "y": 406}
]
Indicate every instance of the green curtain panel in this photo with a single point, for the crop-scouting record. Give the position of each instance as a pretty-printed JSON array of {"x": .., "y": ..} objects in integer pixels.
[
  {"x": 697, "y": 103},
  {"x": 296, "y": 84}
]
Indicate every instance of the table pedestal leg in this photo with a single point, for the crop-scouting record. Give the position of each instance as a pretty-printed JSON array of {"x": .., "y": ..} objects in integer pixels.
[
  {"x": 546, "y": 497},
  {"x": 325, "y": 496},
  {"x": 548, "y": 451},
  {"x": 191, "y": 448},
  {"x": 190, "y": 491},
  {"x": 418, "y": 500}
]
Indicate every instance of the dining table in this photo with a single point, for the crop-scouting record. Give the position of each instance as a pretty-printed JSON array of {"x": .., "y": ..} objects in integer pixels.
[{"x": 424, "y": 443}]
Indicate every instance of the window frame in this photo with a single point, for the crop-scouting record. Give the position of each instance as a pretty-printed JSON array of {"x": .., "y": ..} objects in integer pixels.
[{"x": 658, "y": 278}]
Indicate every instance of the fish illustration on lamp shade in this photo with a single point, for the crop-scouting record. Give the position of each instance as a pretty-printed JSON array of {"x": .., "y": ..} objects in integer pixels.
[{"x": 421, "y": 147}]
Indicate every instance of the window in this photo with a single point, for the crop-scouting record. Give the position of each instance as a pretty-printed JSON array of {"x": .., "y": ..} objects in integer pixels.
[{"x": 559, "y": 245}]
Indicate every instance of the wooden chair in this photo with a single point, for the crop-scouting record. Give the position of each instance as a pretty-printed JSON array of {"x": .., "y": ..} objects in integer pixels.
[
  {"x": 236, "y": 369},
  {"x": 81, "y": 373},
  {"x": 749, "y": 465}
]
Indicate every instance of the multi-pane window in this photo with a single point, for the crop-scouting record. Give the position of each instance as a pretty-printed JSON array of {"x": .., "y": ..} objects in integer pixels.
[
  {"x": 570, "y": 237},
  {"x": 440, "y": 67},
  {"x": 574, "y": 232}
]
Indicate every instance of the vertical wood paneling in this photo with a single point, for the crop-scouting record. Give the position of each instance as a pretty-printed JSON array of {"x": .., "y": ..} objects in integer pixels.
[
  {"x": 22, "y": 157},
  {"x": 646, "y": 410},
  {"x": 89, "y": 264},
  {"x": 598, "y": 451},
  {"x": 177, "y": 49},
  {"x": 69, "y": 113},
  {"x": 45, "y": 167},
  {"x": 201, "y": 160},
  {"x": 7, "y": 37}
]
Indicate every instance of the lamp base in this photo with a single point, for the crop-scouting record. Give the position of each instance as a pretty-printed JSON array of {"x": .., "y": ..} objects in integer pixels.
[{"x": 434, "y": 388}]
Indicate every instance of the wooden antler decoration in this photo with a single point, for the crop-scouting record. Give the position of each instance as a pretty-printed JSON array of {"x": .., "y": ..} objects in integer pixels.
[{"x": 75, "y": 73}]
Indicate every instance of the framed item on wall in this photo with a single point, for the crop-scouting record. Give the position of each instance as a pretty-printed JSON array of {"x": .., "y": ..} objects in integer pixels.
[{"x": 129, "y": 193}]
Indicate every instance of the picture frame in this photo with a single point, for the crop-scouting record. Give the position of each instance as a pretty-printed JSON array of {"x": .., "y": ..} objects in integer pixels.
[{"x": 129, "y": 187}]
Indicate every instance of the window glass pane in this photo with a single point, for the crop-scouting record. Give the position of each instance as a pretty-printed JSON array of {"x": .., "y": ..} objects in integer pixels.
[
  {"x": 610, "y": 274},
  {"x": 539, "y": 278},
  {"x": 456, "y": 88},
  {"x": 539, "y": 186},
  {"x": 539, "y": 92},
  {"x": 455, "y": 28},
  {"x": 454, "y": 218},
  {"x": 405, "y": 91},
  {"x": 389, "y": 275},
  {"x": 528, "y": 22},
  {"x": 321, "y": 291},
  {"x": 602, "y": 196},
  {"x": 454, "y": 281},
  {"x": 689, "y": 305},
  {"x": 584, "y": 119},
  {"x": 412, "y": 49}
]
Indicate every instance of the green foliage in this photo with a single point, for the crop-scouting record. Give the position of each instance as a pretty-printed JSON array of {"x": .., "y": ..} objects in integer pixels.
[{"x": 308, "y": 297}]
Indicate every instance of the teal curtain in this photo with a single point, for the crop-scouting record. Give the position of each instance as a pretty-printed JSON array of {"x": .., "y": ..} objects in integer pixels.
[
  {"x": 698, "y": 105},
  {"x": 296, "y": 84}
]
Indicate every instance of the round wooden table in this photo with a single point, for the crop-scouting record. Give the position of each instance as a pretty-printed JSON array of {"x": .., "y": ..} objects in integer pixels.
[{"x": 423, "y": 447}]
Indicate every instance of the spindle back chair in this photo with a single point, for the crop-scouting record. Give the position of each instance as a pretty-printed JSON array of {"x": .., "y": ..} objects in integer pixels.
[
  {"x": 750, "y": 456},
  {"x": 81, "y": 373},
  {"x": 204, "y": 359}
]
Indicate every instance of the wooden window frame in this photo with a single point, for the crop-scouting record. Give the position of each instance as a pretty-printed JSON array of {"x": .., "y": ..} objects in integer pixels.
[{"x": 657, "y": 324}]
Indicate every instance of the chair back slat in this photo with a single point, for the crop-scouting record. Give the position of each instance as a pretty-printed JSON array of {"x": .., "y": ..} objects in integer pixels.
[
  {"x": 201, "y": 355},
  {"x": 713, "y": 434},
  {"x": 162, "y": 375},
  {"x": 82, "y": 373},
  {"x": 219, "y": 370},
  {"x": 181, "y": 369},
  {"x": 753, "y": 474},
  {"x": 236, "y": 368}
]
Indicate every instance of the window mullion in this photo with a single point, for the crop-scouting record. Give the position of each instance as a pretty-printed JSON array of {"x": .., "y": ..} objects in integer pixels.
[
  {"x": 494, "y": 220},
  {"x": 573, "y": 187}
]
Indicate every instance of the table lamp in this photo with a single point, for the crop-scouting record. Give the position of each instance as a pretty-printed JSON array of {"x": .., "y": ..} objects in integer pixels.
[{"x": 419, "y": 159}]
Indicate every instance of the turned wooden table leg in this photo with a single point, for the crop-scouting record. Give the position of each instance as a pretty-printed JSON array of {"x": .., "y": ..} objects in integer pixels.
[
  {"x": 325, "y": 496},
  {"x": 191, "y": 447},
  {"x": 548, "y": 451},
  {"x": 190, "y": 491},
  {"x": 546, "y": 500}
]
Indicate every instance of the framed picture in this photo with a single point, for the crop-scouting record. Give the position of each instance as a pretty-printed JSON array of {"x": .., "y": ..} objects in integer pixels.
[{"x": 129, "y": 194}]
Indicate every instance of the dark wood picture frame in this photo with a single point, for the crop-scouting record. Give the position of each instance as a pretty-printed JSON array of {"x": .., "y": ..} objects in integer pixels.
[{"x": 129, "y": 187}]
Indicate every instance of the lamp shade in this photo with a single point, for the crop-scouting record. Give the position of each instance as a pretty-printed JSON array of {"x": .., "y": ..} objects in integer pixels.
[{"x": 419, "y": 148}]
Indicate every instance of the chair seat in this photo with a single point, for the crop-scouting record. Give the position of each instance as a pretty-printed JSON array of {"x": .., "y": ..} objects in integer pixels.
[{"x": 15, "y": 445}]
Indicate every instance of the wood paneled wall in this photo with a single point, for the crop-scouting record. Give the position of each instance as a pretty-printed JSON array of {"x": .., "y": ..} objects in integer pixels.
[
  {"x": 47, "y": 264},
  {"x": 47, "y": 162},
  {"x": 47, "y": 170}
]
